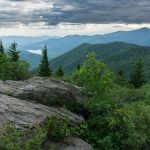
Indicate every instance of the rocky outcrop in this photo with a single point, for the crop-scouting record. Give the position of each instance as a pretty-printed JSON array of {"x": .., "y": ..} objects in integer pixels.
[
  {"x": 20, "y": 105},
  {"x": 43, "y": 90},
  {"x": 23, "y": 113},
  {"x": 68, "y": 144},
  {"x": 76, "y": 144}
]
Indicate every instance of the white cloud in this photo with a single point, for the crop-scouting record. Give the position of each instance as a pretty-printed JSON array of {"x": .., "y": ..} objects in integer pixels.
[
  {"x": 67, "y": 8},
  {"x": 63, "y": 17},
  {"x": 39, "y": 52},
  {"x": 63, "y": 29}
]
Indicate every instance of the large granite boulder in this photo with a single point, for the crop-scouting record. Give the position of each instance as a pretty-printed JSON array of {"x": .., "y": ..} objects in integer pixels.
[
  {"x": 24, "y": 113},
  {"x": 43, "y": 90}
]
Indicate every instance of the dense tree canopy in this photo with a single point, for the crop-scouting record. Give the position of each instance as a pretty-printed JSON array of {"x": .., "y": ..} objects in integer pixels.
[
  {"x": 117, "y": 116},
  {"x": 10, "y": 66}
]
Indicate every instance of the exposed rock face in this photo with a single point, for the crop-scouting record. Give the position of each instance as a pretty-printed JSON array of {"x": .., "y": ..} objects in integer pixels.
[
  {"x": 68, "y": 144},
  {"x": 18, "y": 105},
  {"x": 22, "y": 113},
  {"x": 43, "y": 89},
  {"x": 77, "y": 144},
  {"x": 38, "y": 89}
]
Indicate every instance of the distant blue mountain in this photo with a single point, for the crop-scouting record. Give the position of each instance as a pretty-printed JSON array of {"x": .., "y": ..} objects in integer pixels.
[
  {"x": 139, "y": 37},
  {"x": 60, "y": 45},
  {"x": 22, "y": 40}
]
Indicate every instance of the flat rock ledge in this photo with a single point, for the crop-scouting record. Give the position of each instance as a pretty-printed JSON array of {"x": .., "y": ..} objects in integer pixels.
[
  {"x": 39, "y": 89},
  {"x": 23, "y": 113}
]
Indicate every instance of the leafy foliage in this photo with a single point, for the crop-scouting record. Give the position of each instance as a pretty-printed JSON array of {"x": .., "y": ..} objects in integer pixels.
[
  {"x": 119, "y": 119},
  {"x": 36, "y": 136},
  {"x": 116, "y": 55},
  {"x": 137, "y": 77},
  {"x": 13, "y": 70},
  {"x": 117, "y": 116},
  {"x": 93, "y": 75},
  {"x": 120, "y": 78},
  {"x": 59, "y": 72},
  {"x": 58, "y": 129}
]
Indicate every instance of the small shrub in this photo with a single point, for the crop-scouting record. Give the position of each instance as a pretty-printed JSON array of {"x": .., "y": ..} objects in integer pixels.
[
  {"x": 34, "y": 138},
  {"x": 57, "y": 129},
  {"x": 10, "y": 139},
  {"x": 13, "y": 70}
]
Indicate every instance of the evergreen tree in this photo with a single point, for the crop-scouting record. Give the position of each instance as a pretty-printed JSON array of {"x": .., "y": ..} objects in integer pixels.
[
  {"x": 1, "y": 47},
  {"x": 121, "y": 77},
  {"x": 137, "y": 77},
  {"x": 59, "y": 72},
  {"x": 44, "y": 68},
  {"x": 13, "y": 53},
  {"x": 78, "y": 67}
]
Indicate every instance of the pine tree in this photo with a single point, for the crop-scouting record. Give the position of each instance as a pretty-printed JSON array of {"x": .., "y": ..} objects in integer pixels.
[
  {"x": 121, "y": 77},
  {"x": 137, "y": 77},
  {"x": 44, "y": 68},
  {"x": 1, "y": 47},
  {"x": 13, "y": 53},
  {"x": 78, "y": 67},
  {"x": 59, "y": 72}
]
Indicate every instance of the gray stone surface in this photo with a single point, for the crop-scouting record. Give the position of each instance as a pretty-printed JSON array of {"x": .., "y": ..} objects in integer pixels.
[
  {"x": 77, "y": 144},
  {"x": 18, "y": 105},
  {"x": 23, "y": 113},
  {"x": 38, "y": 88}
]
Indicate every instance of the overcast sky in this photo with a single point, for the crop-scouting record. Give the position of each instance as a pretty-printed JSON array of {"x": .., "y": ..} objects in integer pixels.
[{"x": 63, "y": 17}]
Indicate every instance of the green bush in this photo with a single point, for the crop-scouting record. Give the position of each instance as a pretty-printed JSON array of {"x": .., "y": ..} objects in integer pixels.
[
  {"x": 111, "y": 116},
  {"x": 10, "y": 140},
  {"x": 33, "y": 138},
  {"x": 93, "y": 75},
  {"x": 13, "y": 70},
  {"x": 57, "y": 129},
  {"x": 123, "y": 128},
  {"x": 36, "y": 140}
]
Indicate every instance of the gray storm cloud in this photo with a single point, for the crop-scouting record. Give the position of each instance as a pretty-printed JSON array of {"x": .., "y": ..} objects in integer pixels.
[{"x": 53, "y": 12}]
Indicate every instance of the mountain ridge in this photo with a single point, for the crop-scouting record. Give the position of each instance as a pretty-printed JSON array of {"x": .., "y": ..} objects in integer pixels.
[
  {"x": 115, "y": 54},
  {"x": 60, "y": 45}
]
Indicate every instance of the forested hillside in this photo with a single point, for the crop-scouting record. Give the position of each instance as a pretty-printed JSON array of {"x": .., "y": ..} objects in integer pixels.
[
  {"x": 95, "y": 109},
  {"x": 61, "y": 45},
  {"x": 117, "y": 55}
]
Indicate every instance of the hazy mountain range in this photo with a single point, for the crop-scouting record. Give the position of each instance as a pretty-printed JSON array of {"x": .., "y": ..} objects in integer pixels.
[
  {"x": 117, "y": 55},
  {"x": 60, "y": 45}
]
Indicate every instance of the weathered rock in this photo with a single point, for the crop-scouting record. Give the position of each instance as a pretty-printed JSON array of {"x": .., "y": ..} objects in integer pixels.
[
  {"x": 43, "y": 90},
  {"x": 76, "y": 144},
  {"x": 23, "y": 113},
  {"x": 17, "y": 107},
  {"x": 68, "y": 144}
]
